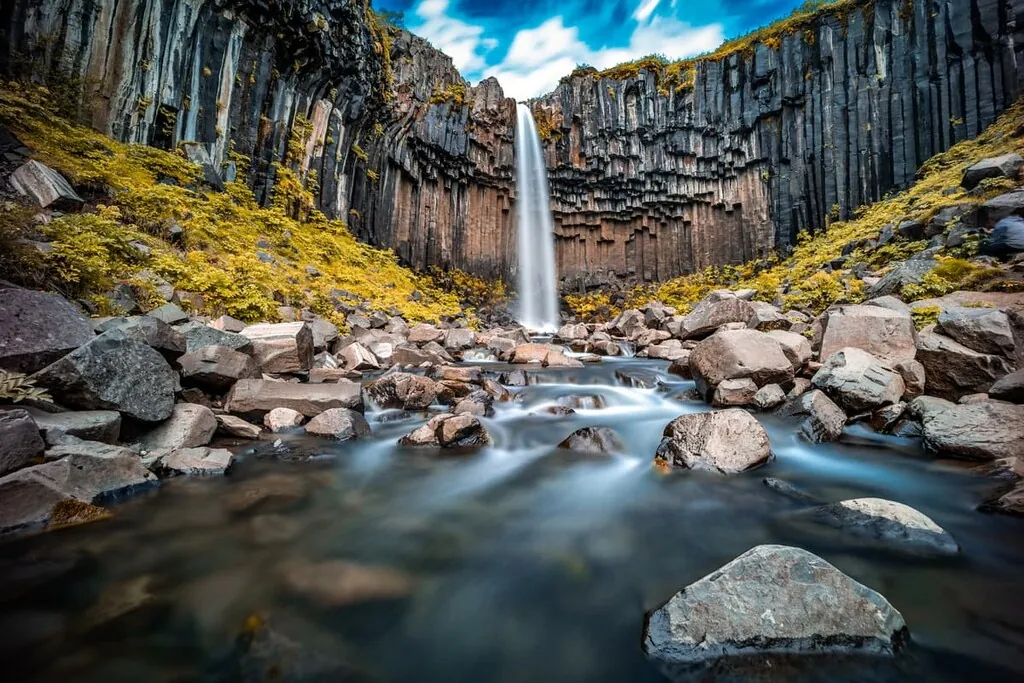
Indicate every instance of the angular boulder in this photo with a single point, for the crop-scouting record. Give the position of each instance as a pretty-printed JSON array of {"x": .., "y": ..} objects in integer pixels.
[
  {"x": 735, "y": 354},
  {"x": 726, "y": 441},
  {"x": 628, "y": 324},
  {"x": 189, "y": 426},
  {"x": 340, "y": 424},
  {"x": 282, "y": 419},
  {"x": 195, "y": 461},
  {"x": 710, "y": 314},
  {"x": 905, "y": 528},
  {"x": 355, "y": 356},
  {"x": 148, "y": 330},
  {"x": 796, "y": 347},
  {"x": 914, "y": 378},
  {"x": 424, "y": 333},
  {"x": 769, "y": 396},
  {"x": 90, "y": 425},
  {"x": 237, "y": 427},
  {"x": 734, "y": 392},
  {"x": 459, "y": 339},
  {"x": 281, "y": 347},
  {"x": 952, "y": 370},
  {"x": 258, "y": 397},
  {"x": 113, "y": 372},
  {"x": 448, "y": 431},
  {"x": 169, "y": 313},
  {"x": 1009, "y": 388},
  {"x": 825, "y": 420},
  {"x": 45, "y": 186},
  {"x": 886, "y": 334},
  {"x": 857, "y": 381},
  {"x": 403, "y": 390},
  {"x": 1005, "y": 166},
  {"x": 37, "y": 328},
  {"x": 985, "y": 330},
  {"x": 198, "y": 336},
  {"x": 216, "y": 368},
  {"x": 20, "y": 442},
  {"x": 772, "y": 599},
  {"x": 572, "y": 332},
  {"x": 989, "y": 430},
  {"x": 593, "y": 440}
]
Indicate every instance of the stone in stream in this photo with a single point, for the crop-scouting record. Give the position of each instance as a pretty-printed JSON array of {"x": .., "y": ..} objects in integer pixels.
[
  {"x": 188, "y": 426},
  {"x": 91, "y": 425},
  {"x": 340, "y": 424},
  {"x": 788, "y": 490},
  {"x": 237, "y": 427},
  {"x": 195, "y": 461},
  {"x": 448, "y": 431},
  {"x": 736, "y": 354},
  {"x": 270, "y": 493},
  {"x": 37, "y": 328},
  {"x": 403, "y": 390},
  {"x": 771, "y": 599},
  {"x": 20, "y": 442},
  {"x": 113, "y": 372},
  {"x": 734, "y": 392},
  {"x": 726, "y": 441},
  {"x": 594, "y": 440},
  {"x": 989, "y": 430},
  {"x": 914, "y": 378},
  {"x": 858, "y": 381},
  {"x": 459, "y": 339},
  {"x": 258, "y": 397},
  {"x": 893, "y": 523},
  {"x": 572, "y": 332},
  {"x": 282, "y": 419},
  {"x": 281, "y": 347},
  {"x": 825, "y": 420},
  {"x": 216, "y": 368},
  {"x": 769, "y": 396},
  {"x": 953, "y": 370},
  {"x": 627, "y": 324},
  {"x": 337, "y": 583},
  {"x": 479, "y": 403}
]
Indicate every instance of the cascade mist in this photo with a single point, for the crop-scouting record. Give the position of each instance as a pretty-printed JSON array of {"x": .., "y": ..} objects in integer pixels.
[{"x": 538, "y": 284}]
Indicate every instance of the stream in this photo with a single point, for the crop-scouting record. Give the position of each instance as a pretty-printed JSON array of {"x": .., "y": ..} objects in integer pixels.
[{"x": 530, "y": 563}]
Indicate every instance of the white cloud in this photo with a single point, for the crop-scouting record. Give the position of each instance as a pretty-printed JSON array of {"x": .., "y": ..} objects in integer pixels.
[
  {"x": 539, "y": 57},
  {"x": 461, "y": 41},
  {"x": 644, "y": 9}
]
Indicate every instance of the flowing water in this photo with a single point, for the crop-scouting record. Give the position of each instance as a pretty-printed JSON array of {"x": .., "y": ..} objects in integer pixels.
[
  {"x": 538, "y": 281},
  {"x": 531, "y": 563}
]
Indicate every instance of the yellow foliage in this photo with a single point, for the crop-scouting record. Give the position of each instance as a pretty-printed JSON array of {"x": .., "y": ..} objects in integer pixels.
[
  {"x": 952, "y": 274},
  {"x": 821, "y": 290},
  {"x": 310, "y": 254},
  {"x": 925, "y": 316},
  {"x": 453, "y": 94}
]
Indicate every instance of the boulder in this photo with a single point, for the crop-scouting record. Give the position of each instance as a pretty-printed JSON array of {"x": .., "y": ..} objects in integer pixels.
[
  {"x": 734, "y": 392},
  {"x": 255, "y": 396},
  {"x": 45, "y": 186},
  {"x": 403, "y": 390},
  {"x": 195, "y": 461},
  {"x": 340, "y": 424},
  {"x": 282, "y": 419},
  {"x": 710, "y": 314},
  {"x": 1007, "y": 239},
  {"x": 1005, "y": 166},
  {"x": 769, "y": 396},
  {"x": 113, "y": 372},
  {"x": 237, "y": 427},
  {"x": 858, "y": 381},
  {"x": 909, "y": 272},
  {"x": 736, "y": 354},
  {"x": 458, "y": 373},
  {"x": 914, "y": 378},
  {"x": 892, "y": 523},
  {"x": 726, "y": 441},
  {"x": 20, "y": 442},
  {"x": 892, "y": 303},
  {"x": 648, "y": 337},
  {"x": 825, "y": 420},
  {"x": 1009, "y": 388},
  {"x": 459, "y": 339},
  {"x": 37, "y": 329},
  {"x": 423, "y": 333},
  {"x": 985, "y": 330},
  {"x": 479, "y": 403},
  {"x": 628, "y": 324},
  {"x": 355, "y": 356},
  {"x": 923, "y": 408},
  {"x": 281, "y": 347},
  {"x": 169, "y": 313},
  {"x": 989, "y": 430},
  {"x": 557, "y": 359},
  {"x": 90, "y": 425},
  {"x": 189, "y": 426},
  {"x": 884, "y": 333},
  {"x": 995, "y": 210},
  {"x": 448, "y": 431},
  {"x": 670, "y": 349},
  {"x": 216, "y": 368},
  {"x": 530, "y": 353},
  {"x": 952, "y": 370},
  {"x": 771, "y": 599},
  {"x": 594, "y": 440},
  {"x": 572, "y": 332},
  {"x": 767, "y": 317},
  {"x": 796, "y": 347},
  {"x": 324, "y": 333},
  {"x": 226, "y": 323},
  {"x": 198, "y": 336},
  {"x": 151, "y": 331}
]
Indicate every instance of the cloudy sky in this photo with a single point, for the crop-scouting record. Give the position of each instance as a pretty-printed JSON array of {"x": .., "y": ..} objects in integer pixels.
[{"x": 529, "y": 44}]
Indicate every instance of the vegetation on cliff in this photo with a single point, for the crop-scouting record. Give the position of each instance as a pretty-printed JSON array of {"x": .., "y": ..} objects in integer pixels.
[
  {"x": 152, "y": 220},
  {"x": 807, "y": 280}
]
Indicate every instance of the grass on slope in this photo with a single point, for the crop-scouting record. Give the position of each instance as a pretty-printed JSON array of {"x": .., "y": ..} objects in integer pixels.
[
  {"x": 139, "y": 192},
  {"x": 800, "y": 280}
]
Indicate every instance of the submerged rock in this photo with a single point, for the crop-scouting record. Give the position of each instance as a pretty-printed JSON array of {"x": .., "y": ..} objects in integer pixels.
[
  {"x": 885, "y": 520},
  {"x": 196, "y": 461},
  {"x": 593, "y": 440},
  {"x": 726, "y": 441},
  {"x": 338, "y": 583},
  {"x": 772, "y": 599}
]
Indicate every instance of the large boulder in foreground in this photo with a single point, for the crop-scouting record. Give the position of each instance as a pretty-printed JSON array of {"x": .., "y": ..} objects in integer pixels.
[
  {"x": 281, "y": 347},
  {"x": 905, "y": 528},
  {"x": 953, "y": 371},
  {"x": 726, "y": 441},
  {"x": 772, "y": 599},
  {"x": 113, "y": 372},
  {"x": 735, "y": 354},
  {"x": 857, "y": 381},
  {"x": 989, "y": 430},
  {"x": 257, "y": 397},
  {"x": 884, "y": 333},
  {"x": 37, "y": 328}
]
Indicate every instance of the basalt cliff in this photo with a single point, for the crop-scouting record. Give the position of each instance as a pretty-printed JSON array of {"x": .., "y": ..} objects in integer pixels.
[{"x": 648, "y": 180}]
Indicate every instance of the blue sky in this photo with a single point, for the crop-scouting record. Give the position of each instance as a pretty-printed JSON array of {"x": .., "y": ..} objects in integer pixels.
[{"x": 529, "y": 44}]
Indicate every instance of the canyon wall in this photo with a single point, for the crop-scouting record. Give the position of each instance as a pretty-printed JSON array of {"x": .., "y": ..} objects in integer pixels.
[
  {"x": 755, "y": 147},
  {"x": 748, "y": 151}
]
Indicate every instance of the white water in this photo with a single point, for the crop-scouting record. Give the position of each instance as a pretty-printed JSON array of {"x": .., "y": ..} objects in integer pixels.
[{"x": 538, "y": 291}]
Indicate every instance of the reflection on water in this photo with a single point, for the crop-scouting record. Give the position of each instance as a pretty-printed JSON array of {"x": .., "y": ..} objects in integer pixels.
[{"x": 531, "y": 564}]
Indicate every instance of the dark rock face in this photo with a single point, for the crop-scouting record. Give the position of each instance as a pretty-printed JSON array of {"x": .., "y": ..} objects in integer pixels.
[
  {"x": 37, "y": 328},
  {"x": 19, "y": 440}
]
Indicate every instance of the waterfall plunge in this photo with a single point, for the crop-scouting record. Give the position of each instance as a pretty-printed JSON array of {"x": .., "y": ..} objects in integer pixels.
[{"x": 538, "y": 291}]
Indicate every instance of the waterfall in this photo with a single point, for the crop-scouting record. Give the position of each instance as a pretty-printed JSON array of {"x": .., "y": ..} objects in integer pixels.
[{"x": 538, "y": 289}]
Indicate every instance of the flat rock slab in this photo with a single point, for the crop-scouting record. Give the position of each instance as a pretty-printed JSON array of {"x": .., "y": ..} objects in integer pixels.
[
  {"x": 37, "y": 328},
  {"x": 892, "y": 523},
  {"x": 195, "y": 461},
  {"x": 886, "y": 334},
  {"x": 772, "y": 599},
  {"x": 237, "y": 427},
  {"x": 189, "y": 426},
  {"x": 45, "y": 186},
  {"x": 261, "y": 396},
  {"x": 91, "y": 425},
  {"x": 989, "y": 430},
  {"x": 858, "y": 381}
]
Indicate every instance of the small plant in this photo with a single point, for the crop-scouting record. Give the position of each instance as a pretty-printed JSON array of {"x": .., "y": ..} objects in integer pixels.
[
  {"x": 925, "y": 316},
  {"x": 15, "y": 387}
]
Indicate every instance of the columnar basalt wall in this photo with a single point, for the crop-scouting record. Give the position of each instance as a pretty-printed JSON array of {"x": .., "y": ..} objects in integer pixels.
[{"x": 766, "y": 143}]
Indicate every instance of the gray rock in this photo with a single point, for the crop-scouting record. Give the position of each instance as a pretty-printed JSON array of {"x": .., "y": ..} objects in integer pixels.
[
  {"x": 1007, "y": 239},
  {"x": 952, "y": 370},
  {"x": 914, "y": 378},
  {"x": 355, "y": 356},
  {"x": 37, "y": 329},
  {"x": 572, "y": 332},
  {"x": 282, "y": 419},
  {"x": 459, "y": 339},
  {"x": 594, "y": 440},
  {"x": 195, "y": 461},
  {"x": 772, "y": 599},
  {"x": 858, "y": 381},
  {"x": 909, "y": 272},
  {"x": 735, "y": 354},
  {"x": 448, "y": 431},
  {"x": 985, "y": 330},
  {"x": 769, "y": 396},
  {"x": 796, "y": 347},
  {"x": 324, "y": 333},
  {"x": 236, "y": 426},
  {"x": 886, "y": 334},
  {"x": 825, "y": 420},
  {"x": 189, "y": 426},
  {"x": 169, "y": 313},
  {"x": 281, "y": 347},
  {"x": 726, "y": 441},
  {"x": 734, "y": 392},
  {"x": 103, "y": 426},
  {"x": 255, "y": 396},
  {"x": 1009, "y": 388},
  {"x": 199, "y": 336},
  {"x": 403, "y": 390},
  {"x": 216, "y": 368},
  {"x": 710, "y": 314},
  {"x": 45, "y": 186},
  {"x": 628, "y": 324},
  {"x": 340, "y": 424},
  {"x": 226, "y": 323},
  {"x": 893, "y": 523},
  {"x": 423, "y": 333},
  {"x": 20, "y": 442},
  {"x": 990, "y": 430},
  {"x": 113, "y": 372},
  {"x": 892, "y": 303},
  {"x": 150, "y": 331},
  {"x": 1005, "y": 166}
]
